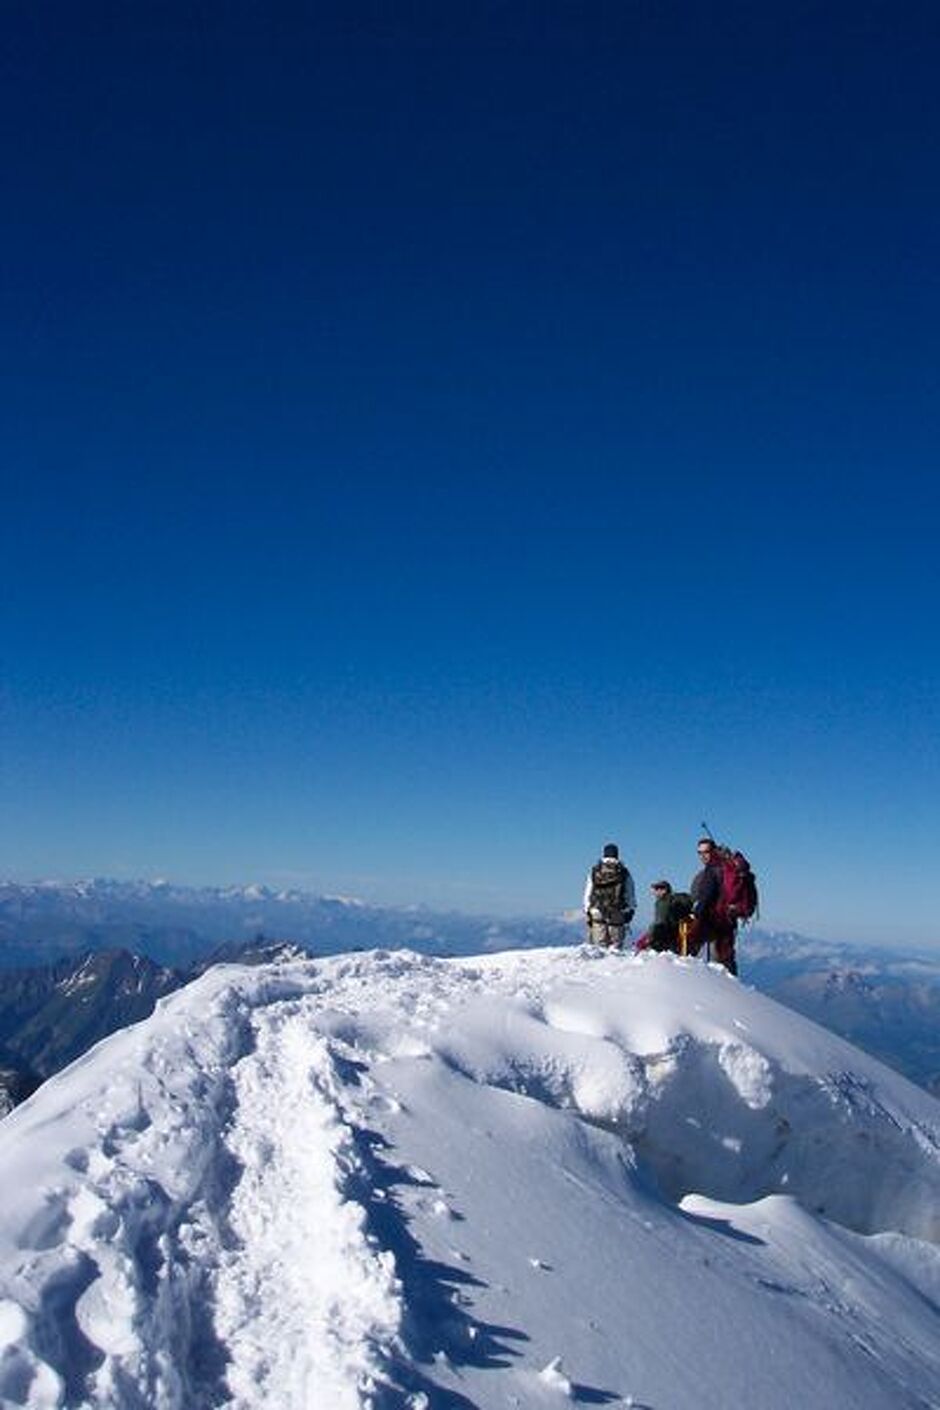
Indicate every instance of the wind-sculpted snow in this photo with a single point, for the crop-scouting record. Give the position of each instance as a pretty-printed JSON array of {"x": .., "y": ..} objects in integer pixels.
[{"x": 387, "y": 1180}]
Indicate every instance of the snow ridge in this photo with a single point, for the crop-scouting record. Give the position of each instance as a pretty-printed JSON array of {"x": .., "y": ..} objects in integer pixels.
[
  {"x": 389, "y": 1182},
  {"x": 110, "y": 1269}
]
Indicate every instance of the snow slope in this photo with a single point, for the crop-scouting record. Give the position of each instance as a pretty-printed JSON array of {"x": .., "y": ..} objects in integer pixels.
[{"x": 532, "y": 1179}]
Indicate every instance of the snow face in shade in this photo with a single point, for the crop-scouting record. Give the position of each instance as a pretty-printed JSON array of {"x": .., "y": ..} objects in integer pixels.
[{"x": 544, "y": 1177}]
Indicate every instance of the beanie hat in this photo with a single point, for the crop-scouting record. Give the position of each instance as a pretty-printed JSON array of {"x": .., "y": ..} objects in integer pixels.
[
  {"x": 611, "y": 849},
  {"x": 660, "y": 886}
]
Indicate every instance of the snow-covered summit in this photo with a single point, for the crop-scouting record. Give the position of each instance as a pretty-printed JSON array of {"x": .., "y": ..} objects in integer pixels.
[{"x": 529, "y": 1179}]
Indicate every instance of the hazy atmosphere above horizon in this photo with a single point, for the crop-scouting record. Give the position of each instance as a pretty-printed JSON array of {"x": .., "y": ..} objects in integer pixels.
[{"x": 440, "y": 439}]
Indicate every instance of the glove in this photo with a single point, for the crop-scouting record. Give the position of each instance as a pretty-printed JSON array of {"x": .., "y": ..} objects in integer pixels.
[{"x": 628, "y": 916}]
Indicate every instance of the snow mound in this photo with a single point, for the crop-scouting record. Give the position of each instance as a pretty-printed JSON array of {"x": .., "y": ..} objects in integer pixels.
[{"x": 386, "y": 1180}]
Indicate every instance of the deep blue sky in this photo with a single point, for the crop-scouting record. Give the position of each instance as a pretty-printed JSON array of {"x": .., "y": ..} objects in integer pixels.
[{"x": 438, "y": 438}]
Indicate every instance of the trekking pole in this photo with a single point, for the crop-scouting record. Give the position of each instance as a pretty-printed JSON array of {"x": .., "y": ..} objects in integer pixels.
[{"x": 707, "y": 831}]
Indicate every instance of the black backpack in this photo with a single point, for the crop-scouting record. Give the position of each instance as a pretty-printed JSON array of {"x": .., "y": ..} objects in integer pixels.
[{"x": 680, "y": 907}]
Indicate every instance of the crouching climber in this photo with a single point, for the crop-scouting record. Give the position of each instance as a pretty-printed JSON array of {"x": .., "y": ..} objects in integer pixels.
[{"x": 671, "y": 912}]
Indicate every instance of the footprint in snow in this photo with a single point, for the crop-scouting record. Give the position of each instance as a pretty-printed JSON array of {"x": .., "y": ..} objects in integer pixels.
[
  {"x": 49, "y": 1226},
  {"x": 419, "y": 1175},
  {"x": 124, "y": 1131},
  {"x": 381, "y": 1101},
  {"x": 553, "y": 1375}
]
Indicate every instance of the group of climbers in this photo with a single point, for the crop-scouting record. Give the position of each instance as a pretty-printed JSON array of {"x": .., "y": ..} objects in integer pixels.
[{"x": 723, "y": 893}]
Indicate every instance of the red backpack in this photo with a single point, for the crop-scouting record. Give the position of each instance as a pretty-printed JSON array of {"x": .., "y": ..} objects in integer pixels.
[{"x": 738, "y": 899}]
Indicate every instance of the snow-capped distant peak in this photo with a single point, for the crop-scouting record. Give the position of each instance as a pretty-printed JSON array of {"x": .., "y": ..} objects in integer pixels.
[{"x": 254, "y": 892}]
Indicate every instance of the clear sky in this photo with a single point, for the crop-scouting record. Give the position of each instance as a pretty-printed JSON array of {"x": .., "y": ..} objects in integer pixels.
[{"x": 439, "y": 438}]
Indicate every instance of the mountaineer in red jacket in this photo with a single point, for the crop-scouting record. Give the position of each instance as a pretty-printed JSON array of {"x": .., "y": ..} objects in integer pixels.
[{"x": 712, "y": 926}]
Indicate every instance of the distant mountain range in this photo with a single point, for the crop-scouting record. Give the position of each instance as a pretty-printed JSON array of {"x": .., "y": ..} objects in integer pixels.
[
  {"x": 51, "y": 1014},
  {"x": 176, "y": 925},
  {"x": 886, "y": 1002},
  {"x": 80, "y": 960}
]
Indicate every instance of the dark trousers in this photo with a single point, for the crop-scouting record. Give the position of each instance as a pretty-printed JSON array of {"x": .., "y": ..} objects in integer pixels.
[
  {"x": 664, "y": 936},
  {"x": 720, "y": 936}
]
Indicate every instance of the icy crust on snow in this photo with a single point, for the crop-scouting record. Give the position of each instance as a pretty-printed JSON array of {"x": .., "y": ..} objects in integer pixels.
[{"x": 386, "y": 1180}]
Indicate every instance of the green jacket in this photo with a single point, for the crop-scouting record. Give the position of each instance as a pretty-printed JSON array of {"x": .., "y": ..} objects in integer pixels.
[{"x": 661, "y": 909}]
